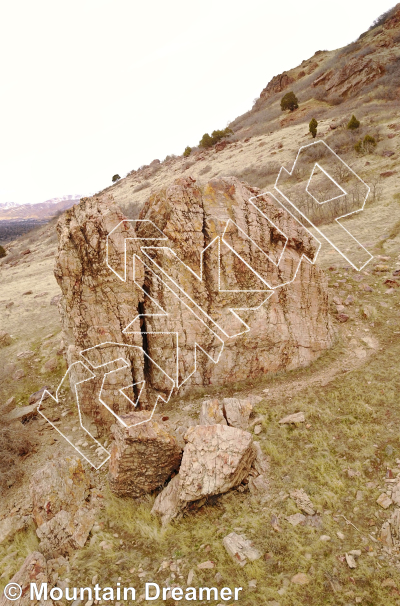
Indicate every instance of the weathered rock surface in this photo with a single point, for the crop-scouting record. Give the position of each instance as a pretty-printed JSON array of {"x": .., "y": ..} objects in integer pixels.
[
  {"x": 237, "y": 412},
  {"x": 297, "y": 417},
  {"x": 65, "y": 532},
  {"x": 276, "y": 85},
  {"x": 216, "y": 458},
  {"x": 355, "y": 74},
  {"x": 33, "y": 570},
  {"x": 240, "y": 549},
  {"x": 290, "y": 329},
  {"x": 212, "y": 413},
  {"x": 143, "y": 456},
  {"x": 60, "y": 484},
  {"x": 303, "y": 501}
]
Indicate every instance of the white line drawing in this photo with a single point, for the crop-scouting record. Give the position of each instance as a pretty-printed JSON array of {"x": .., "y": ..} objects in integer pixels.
[
  {"x": 56, "y": 399},
  {"x": 283, "y": 173},
  {"x": 344, "y": 193}
]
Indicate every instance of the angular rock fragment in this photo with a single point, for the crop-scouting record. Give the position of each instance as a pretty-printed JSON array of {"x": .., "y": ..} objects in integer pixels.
[
  {"x": 259, "y": 488},
  {"x": 386, "y": 535},
  {"x": 60, "y": 484},
  {"x": 33, "y": 570},
  {"x": 65, "y": 532},
  {"x": 168, "y": 504},
  {"x": 240, "y": 549},
  {"x": 297, "y": 417},
  {"x": 212, "y": 413},
  {"x": 261, "y": 461},
  {"x": 295, "y": 519},
  {"x": 384, "y": 500},
  {"x": 237, "y": 412},
  {"x": 216, "y": 458},
  {"x": 303, "y": 501},
  {"x": 143, "y": 456}
]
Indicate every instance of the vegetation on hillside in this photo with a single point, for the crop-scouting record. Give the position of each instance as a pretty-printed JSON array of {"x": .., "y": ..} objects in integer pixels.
[
  {"x": 216, "y": 136},
  {"x": 289, "y": 101}
]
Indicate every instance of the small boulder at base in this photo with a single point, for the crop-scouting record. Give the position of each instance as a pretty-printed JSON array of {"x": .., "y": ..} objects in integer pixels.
[
  {"x": 237, "y": 412},
  {"x": 143, "y": 456},
  {"x": 216, "y": 458}
]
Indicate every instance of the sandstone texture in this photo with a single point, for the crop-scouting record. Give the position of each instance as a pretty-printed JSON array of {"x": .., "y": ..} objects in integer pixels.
[
  {"x": 212, "y": 413},
  {"x": 237, "y": 412},
  {"x": 216, "y": 458},
  {"x": 165, "y": 306},
  {"x": 60, "y": 484},
  {"x": 65, "y": 532},
  {"x": 143, "y": 456}
]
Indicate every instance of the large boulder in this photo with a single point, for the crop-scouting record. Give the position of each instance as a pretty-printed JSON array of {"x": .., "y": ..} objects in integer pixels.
[
  {"x": 143, "y": 455},
  {"x": 60, "y": 484},
  {"x": 177, "y": 313}
]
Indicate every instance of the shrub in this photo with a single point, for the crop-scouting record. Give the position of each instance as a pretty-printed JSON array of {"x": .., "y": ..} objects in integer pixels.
[
  {"x": 289, "y": 101},
  {"x": 366, "y": 146},
  {"x": 353, "y": 123},
  {"x": 2, "y": 252},
  {"x": 313, "y": 127},
  {"x": 116, "y": 178},
  {"x": 216, "y": 135},
  {"x": 187, "y": 152}
]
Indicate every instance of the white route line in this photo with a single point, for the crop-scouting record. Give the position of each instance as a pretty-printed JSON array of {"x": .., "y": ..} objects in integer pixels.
[
  {"x": 283, "y": 170},
  {"x": 57, "y": 400}
]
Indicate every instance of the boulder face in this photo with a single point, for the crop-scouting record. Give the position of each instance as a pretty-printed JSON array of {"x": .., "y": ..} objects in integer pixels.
[
  {"x": 143, "y": 455},
  {"x": 164, "y": 301}
]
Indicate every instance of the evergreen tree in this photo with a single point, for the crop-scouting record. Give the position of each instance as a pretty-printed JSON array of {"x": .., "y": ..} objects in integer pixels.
[
  {"x": 313, "y": 127},
  {"x": 289, "y": 101},
  {"x": 187, "y": 152},
  {"x": 116, "y": 178},
  {"x": 353, "y": 123}
]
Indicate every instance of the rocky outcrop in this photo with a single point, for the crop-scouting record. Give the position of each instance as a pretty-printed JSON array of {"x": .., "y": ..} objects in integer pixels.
[
  {"x": 173, "y": 321},
  {"x": 354, "y": 75},
  {"x": 143, "y": 456},
  {"x": 276, "y": 85}
]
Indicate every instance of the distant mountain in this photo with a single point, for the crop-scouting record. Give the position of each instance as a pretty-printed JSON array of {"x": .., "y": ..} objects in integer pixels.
[
  {"x": 6, "y": 205},
  {"x": 41, "y": 211}
]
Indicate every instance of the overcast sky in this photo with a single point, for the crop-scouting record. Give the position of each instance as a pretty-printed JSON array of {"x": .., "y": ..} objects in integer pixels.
[{"x": 91, "y": 88}]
